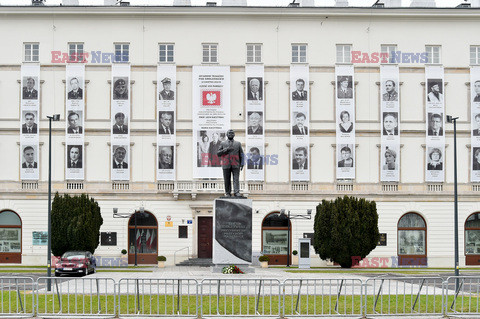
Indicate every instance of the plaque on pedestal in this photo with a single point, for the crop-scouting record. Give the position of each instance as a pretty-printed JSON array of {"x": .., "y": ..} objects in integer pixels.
[{"x": 232, "y": 231}]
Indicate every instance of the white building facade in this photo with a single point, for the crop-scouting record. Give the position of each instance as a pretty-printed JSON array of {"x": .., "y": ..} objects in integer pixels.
[{"x": 232, "y": 41}]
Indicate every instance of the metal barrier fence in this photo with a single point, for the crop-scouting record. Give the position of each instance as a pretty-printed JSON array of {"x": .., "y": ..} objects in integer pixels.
[
  {"x": 404, "y": 296},
  {"x": 71, "y": 297},
  {"x": 322, "y": 297},
  {"x": 17, "y": 297},
  {"x": 157, "y": 297},
  {"x": 462, "y": 296},
  {"x": 240, "y": 297},
  {"x": 22, "y": 297}
]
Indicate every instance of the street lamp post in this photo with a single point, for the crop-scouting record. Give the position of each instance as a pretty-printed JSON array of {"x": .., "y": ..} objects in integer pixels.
[
  {"x": 289, "y": 217},
  {"x": 54, "y": 117},
  {"x": 453, "y": 120}
]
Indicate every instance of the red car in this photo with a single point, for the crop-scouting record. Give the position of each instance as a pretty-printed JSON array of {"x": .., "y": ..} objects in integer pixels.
[{"x": 76, "y": 262}]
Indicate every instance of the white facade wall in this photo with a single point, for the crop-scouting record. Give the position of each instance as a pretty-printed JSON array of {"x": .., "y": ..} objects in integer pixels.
[{"x": 276, "y": 28}]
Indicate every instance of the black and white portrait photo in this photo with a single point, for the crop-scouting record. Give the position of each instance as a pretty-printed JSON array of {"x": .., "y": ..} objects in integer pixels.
[
  {"x": 74, "y": 156},
  {"x": 120, "y": 88},
  {"x": 120, "y": 157},
  {"x": 476, "y": 130},
  {"x": 345, "y": 156},
  {"x": 391, "y": 93},
  {"x": 435, "y": 94},
  {"x": 344, "y": 87},
  {"x": 390, "y": 123},
  {"x": 255, "y": 91},
  {"x": 165, "y": 122},
  {"x": 30, "y": 156},
  {"x": 29, "y": 125},
  {"x": 476, "y": 158},
  {"x": 300, "y": 94},
  {"x": 300, "y": 158},
  {"x": 390, "y": 159},
  {"x": 254, "y": 158},
  {"x": 435, "y": 124},
  {"x": 30, "y": 88},
  {"x": 75, "y": 91},
  {"x": 119, "y": 126},
  {"x": 165, "y": 157},
  {"x": 255, "y": 123},
  {"x": 166, "y": 93},
  {"x": 74, "y": 120},
  {"x": 345, "y": 125},
  {"x": 435, "y": 159},
  {"x": 476, "y": 91},
  {"x": 299, "y": 124}
]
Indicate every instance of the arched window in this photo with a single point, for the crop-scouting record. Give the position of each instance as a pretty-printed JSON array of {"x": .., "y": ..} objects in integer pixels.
[
  {"x": 145, "y": 238},
  {"x": 472, "y": 239},
  {"x": 10, "y": 237},
  {"x": 274, "y": 238},
  {"x": 412, "y": 240}
]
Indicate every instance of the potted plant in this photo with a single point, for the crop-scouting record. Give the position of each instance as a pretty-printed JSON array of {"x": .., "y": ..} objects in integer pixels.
[
  {"x": 161, "y": 261},
  {"x": 264, "y": 261},
  {"x": 295, "y": 258}
]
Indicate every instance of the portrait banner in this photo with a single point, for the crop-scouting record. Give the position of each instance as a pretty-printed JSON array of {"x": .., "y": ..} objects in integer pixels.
[
  {"x": 30, "y": 122},
  {"x": 166, "y": 126},
  {"x": 255, "y": 122},
  {"x": 120, "y": 122},
  {"x": 390, "y": 120},
  {"x": 475, "y": 119},
  {"x": 75, "y": 122},
  {"x": 345, "y": 121},
  {"x": 435, "y": 124},
  {"x": 211, "y": 117},
  {"x": 299, "y": 122}
]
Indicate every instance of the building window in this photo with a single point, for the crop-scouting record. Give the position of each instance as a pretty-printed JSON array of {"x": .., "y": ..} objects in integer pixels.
[
  {"x": 274, "y": 238},
  {"x": 433, "y": 54},
  {"x": 299, "y": 53},
  {"x": 344, "y": 53},
  {"x": 31, "y": 52},
  {"x": 11, "y": 237},
  {"x": 412, "y": 235},
  {"x": 210, "y": 53},
  {"x": 145, "y": 239},
  {"x": 166, "y": 52},
  {"x": 475, "y": 54},
  {"x": 390, "y": 49},
  {"x": 75, "y": 52},
  {"x": 254, "y": 53},
  {"x": 472, "y": 239},
  {"x": 122, "y": 52}
]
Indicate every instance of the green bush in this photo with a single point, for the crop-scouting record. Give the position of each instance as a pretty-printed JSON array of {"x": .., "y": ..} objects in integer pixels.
[
  {"x": 76, "y": 224},
  {"x": 294, "y": 252},
  {"x": 124, "y": 251},
  {"x": 263, "y": 258},
  {"x": 345, "y": 228},
  {"x": 161, "y": 258}
]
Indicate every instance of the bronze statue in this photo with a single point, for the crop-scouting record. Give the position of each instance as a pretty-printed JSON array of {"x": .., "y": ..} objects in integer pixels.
[{"x": 231, "y": 154}]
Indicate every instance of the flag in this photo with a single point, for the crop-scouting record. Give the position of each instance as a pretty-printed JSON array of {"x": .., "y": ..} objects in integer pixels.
[
  {"x": 138, "y": 237},
  {"x": 147, "y": 239},
  {"x": 152, "y": 242}
]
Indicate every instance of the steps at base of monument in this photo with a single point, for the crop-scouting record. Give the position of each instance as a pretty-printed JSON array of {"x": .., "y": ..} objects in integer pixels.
[{"x": 198, "y": 262}]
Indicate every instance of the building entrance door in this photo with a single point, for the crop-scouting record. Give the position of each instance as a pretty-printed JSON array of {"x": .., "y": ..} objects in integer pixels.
[{"x": 205, "y": 237}]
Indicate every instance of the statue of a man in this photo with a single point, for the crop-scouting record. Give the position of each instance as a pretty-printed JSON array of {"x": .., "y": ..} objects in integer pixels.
[{"x": 231, "y": 154}]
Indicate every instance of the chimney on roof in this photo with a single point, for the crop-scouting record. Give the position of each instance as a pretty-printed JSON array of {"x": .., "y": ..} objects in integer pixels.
[
  {"x": 211, "y": 4},
  {"x": 341, "y": 3},
  {"x": 180, "y": 3},
  {"x": 423, "y": 4},
  {"x": 37, "y": 3},
  {"x": 234, "y": 3},
  {"x": 70, "y": 2}
]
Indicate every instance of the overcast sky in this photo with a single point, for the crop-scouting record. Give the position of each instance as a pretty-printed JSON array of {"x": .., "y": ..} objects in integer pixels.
[{"x": 359, "y": 3}]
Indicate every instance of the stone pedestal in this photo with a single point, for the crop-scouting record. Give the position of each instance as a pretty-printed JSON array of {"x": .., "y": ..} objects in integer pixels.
[{"x": 232, "y": 233}]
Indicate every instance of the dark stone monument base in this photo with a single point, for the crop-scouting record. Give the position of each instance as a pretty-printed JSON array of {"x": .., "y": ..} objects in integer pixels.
[
  {"x": 232, "y": 232},
  {"x": 217, "y": 269}
]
